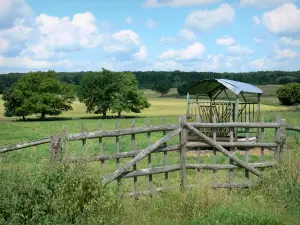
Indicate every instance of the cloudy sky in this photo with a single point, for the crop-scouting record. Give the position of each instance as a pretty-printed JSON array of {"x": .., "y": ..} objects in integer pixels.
[{"x": 190, "y": 35}]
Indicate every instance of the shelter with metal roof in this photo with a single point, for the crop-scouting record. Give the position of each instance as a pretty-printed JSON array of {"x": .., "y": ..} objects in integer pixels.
[{"x": 239, "y": 102}]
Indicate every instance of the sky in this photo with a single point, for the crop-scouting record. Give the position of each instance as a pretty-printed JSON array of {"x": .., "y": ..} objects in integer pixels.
[{"x": 143, "y": 35}]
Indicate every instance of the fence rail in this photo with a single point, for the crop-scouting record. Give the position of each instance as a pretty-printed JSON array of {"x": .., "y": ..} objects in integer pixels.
[{"x": 139, "y": 162}]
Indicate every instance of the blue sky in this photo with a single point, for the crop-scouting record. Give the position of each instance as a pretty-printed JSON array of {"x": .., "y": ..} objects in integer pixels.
[{"x": 187, "y": 35}]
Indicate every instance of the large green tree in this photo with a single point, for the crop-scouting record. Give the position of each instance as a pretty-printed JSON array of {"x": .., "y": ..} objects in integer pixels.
[
  {"x": 162, "y": 85},
  {"x": 38, "y": 93},
  {"x": 289, "y": 94},
  {"x": 128, "y": 98},
  {"x": 107, "y": 90}
]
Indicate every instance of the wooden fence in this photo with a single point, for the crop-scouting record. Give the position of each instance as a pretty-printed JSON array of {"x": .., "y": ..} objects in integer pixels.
[{"x": 229, "y": 157}]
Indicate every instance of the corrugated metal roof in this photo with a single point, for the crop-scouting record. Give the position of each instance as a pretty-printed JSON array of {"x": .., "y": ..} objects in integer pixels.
[{"x": 212, "y": 86}]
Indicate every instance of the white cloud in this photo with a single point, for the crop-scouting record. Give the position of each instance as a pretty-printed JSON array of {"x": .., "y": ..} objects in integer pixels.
[
  {"x": 69, "y": 35},
  {"x": 40, "y": 52},
  {"x": 225, "y": 40},
  {"x": 255, "y": 20},
  {"x": 151, "y": 23},
  {"x": 123, "y": 42},
  {"x": 28, "y": 63},
  {"x": 284, "y": 19},
  {"x": 4, "y": 45},
  {"x": 193, "y": 51},
  {"x": 129, "y": 20},
  {"x": 187, "y": 35},
  {"x": 239, "y": 50},
  {"x": 284, "y": 53},
  {"x": 258, "y": 40},
  {"x": 168, "y": 65},
  {"x": 290, "y": 41},
  {"x": 176, "y": 3},
  {"x": 266, "y": 64},
  {"x": 263, "y": 3},
  {"x": 168, "y": 40},
  {"x": 13, "y": 11},
  {"x": 142, "y": 54},
  {"x": 206, "y": 19}
]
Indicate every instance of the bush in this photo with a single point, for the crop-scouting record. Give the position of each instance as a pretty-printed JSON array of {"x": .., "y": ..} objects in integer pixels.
[
  {"x": 56, "y": 196},
  {"x": 289, "y": 94}
]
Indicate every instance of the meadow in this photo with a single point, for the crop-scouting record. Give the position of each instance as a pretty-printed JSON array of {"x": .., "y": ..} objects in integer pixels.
[{"x": 35, "y": 192}]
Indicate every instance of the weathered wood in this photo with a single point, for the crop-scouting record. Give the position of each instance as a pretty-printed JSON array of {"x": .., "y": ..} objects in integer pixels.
[
  {"x": 183, "y": 151},
  {"x": 25, "y": 145},
  {"x": 120, "y": 132},
  {"x": 214, "y": 150},
  {"x": 65, "y": 141},
  {"x": 247, "y": 151},
  {"x": 234, "y": 144},
  {"x": 229, "y": 166},
  {"x": 83, "y": 130},
  {"x": 231, "y": 171},
  {"x": 277, "y": 139},
  {"x": 223, "y": 150},
  {"x": 150, "y": 179},
  {"x": 123, "y": 155},
  {"x": 262, "y": 139},
  {"x": 140, "y": 156},
  {"x": 56, "y": 148},
  {"x": 101, "y": 146},
  {"x": 235, "y": 124},
  {"x": 154, "y": 170},
  {"x": 198, "y": 157},
  {"x": 165, "y": 154},
  {"x": 293, "y": 128},
  {"x": 133, "y": 148}
]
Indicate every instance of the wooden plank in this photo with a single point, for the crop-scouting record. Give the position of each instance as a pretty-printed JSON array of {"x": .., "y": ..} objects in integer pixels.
[
  {"x": 293, "y": 128},
  {"x": 229, "y": 166},
  {"x": 83, "y": 131},
  {"x": 150, "y": 186},
  {"x": 165, "y": 153},
  {"x": 277, "y": 139},
  {"x": 56, "y": 148},
  {"x": 25, "y": 145},
  {"x": 234, "y": 144},
  {"x": 120, "y": 132},
  {"x": 198, "y": 160},
  {"x": 214, "y": 151},
  {"x": 262, "y": 139},
  {"x": 133, "y": 148},
  {"x": 247, "y": 152},
  {"x": 183, "y": 151},
  {"x": 231, "y": 171},
  {"x": 140, "y": 156},
  {"x": 235, "y": 124},
  {"x": 65, "y": 141},
  {"x": 101, "y": 145},
  {"x": 147, "y": 171},
  {"x": 123, "y": 155},
  {"x": 223, "y": 150}
]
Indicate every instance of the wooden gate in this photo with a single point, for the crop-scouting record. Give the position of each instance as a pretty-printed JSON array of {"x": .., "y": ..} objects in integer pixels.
[{"x": 233, "y": 156}]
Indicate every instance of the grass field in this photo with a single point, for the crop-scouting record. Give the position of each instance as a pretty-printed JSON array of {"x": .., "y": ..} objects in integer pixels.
[{"x": 34, "y": 192}]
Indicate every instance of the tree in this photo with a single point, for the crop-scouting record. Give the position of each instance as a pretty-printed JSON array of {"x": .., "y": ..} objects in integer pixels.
[
  {"x": 97, "y": 90},
  {"x": 289, "y": 94},
  {"x": 38, "y": 93},
  {"x": 106, "y": 90},
  {"x": 162, "y": 85},
  {"x": 128, "y": 98}
]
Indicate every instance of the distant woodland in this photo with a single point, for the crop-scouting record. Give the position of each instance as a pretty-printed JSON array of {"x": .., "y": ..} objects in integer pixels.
[{"x": 178, "y": 79}]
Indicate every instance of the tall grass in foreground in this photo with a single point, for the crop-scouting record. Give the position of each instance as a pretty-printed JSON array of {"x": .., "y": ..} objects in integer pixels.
[{"x": 73, "y": 195}]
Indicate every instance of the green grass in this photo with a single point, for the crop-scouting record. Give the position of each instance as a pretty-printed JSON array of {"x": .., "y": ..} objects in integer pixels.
[{"x": 35, "y": 193}]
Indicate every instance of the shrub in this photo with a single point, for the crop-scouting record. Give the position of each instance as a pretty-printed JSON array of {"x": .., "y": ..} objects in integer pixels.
[
  {"x": 289, "y": 94},
  {"x": 56, "y": 196}
]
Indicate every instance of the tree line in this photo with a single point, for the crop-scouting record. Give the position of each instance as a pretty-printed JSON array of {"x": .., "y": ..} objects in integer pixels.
[
  {"x": 177, "y": 79},
  {"x": 45, "y": 94}
]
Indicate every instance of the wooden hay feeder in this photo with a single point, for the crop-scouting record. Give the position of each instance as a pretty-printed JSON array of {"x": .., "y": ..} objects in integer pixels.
[{"x": 229, "y": 101}]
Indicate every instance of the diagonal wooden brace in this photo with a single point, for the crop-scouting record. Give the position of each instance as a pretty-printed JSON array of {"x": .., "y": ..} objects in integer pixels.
[
  {"x": 139, "y": 157},
  {"x": 223, "y": 150}
]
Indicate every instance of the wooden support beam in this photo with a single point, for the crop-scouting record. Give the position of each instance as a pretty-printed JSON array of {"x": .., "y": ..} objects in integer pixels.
[
  {"x": 223, "y": 150},
  {"x": 25, "y": 145},
  {"x": 140, "y": 156}
]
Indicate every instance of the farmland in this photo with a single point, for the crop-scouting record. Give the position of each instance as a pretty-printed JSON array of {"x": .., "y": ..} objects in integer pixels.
[{"x": 267, "y": 204}]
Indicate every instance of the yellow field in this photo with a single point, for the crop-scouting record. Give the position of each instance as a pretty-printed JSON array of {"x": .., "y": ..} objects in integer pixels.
[{"x": 166, "y": 106}]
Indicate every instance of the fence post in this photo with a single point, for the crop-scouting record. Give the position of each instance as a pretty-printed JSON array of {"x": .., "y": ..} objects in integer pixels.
[
  {"x": 56, "y": 148},
  {"x": 183, "y": 150},
  {"x": 278, "y": 141}
]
